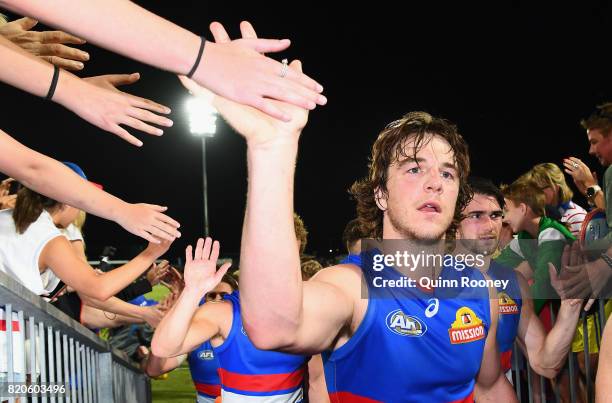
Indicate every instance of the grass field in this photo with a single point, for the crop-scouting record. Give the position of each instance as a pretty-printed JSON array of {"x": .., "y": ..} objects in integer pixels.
[
  {"x": 178, "y": 387},
  {"x": 158, "y": 292}
]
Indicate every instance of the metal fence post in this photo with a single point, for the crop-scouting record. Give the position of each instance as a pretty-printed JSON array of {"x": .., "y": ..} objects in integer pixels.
[
  {"x": 8, "y": 320},
  {"x": 106, "y": 380},
  {"x": 33, "y": 367},
  {"x": 41, "y": 358},
  {"x": 66, "y": 366},
  {"x": 79, "y": 374},
  {"x": 73, "y": 375},
  {"x": 58, "y": 363},
  {"x": 587, "y": 357},
  {"x": 22, "y": 339},
  {"x": 51, "y": 359}
]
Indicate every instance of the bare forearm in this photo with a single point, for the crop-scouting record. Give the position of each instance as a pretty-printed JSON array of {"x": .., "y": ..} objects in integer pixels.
[
  {"x": 157, "y": 366},
  {"x": 53, "y": 179},
  {"x": 116, "y": 280},
  {"x": 98, "y": 318},
  {"x": 117, "y": 306},
  {"x": 559, "y": 339},
  {"x": 25, "y": 71},
  {"x": 317, "y": 388},
  {"x": 136, "y": 32},
  {"x": 127, "y": 320},
  {"x": 34, "y": 75},
  {"x": 172, "y": 330},
  {"x": 270, "y": 260},
  {"x": 501, "y": 390},
  {"x": 604, "y": 372}
]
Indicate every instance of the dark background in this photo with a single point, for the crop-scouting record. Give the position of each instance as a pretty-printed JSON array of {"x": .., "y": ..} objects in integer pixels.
[{"x": 517, "y": 78}]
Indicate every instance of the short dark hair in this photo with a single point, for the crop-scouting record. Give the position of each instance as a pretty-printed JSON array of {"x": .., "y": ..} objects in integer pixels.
[
  {"x": 485, "y": 187},
  {"x": 527, "y": 193},
  {"x": 231, "y": 280},
  {"x": 600, "y": 119}
]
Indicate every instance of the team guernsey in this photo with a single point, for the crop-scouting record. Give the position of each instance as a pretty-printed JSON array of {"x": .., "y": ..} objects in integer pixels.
[
  {"x": 204, "y": 368},
  {"x": 252, "y": 375},
  {"x": 204, "y": 371},
  {"x": 510, "y": 305},
  {"x": 413, "y": 344}
]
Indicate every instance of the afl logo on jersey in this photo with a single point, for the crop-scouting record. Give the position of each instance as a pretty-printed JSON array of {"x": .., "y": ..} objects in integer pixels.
[
  {"x": 507, "y": 306},
  {"x": 206, "y": 355},
  {"x": 405, "y": 325},
  {"x": 466, "y": 328}
]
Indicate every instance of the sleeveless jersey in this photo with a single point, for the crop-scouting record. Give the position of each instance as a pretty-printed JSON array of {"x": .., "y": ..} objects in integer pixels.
[
  {"x": 510, "y": 305},
  {"x": 204, "y": 368},
  {"x": 413, "y": 345},
  {"x": 252, "y": 375}
]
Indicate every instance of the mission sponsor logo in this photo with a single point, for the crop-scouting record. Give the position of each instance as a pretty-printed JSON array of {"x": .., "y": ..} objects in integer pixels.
[
  {"x": 466, "y": 328},
  {"x": 507, "y": 306},
  {"x": 206, "y": 355},
  {"x": 405, "y": 325}
]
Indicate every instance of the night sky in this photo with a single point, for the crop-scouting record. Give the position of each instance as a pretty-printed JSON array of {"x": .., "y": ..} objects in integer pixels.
[{"x": 516, "y": 78}]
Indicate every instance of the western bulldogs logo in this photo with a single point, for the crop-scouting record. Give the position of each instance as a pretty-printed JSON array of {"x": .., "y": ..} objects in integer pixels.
[
  {"x": 206, "y": 355},
  {"x": 405, "y": 325}
]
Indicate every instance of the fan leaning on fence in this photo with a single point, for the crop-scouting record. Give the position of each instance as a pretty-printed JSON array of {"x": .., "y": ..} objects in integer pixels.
[{"x": 35, "y": 252}]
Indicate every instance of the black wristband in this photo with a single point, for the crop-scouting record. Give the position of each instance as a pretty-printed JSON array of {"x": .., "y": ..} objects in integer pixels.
[
  {"x": 197, "y": 62},
  {"x": 606, "y": 259},
  {"x": 56, "y": 72}
]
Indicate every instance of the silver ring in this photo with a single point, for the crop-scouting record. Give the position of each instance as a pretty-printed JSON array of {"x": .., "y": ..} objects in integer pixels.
[
  {"x": 285, "y": 68},
  {"x": 575, "y": 165}
]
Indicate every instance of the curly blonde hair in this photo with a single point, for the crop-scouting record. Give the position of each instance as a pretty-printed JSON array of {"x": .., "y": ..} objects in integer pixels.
[
  {"x": 310, "y": 268},
  {"x": 547, "y": 175},
  {"x": 301, "y": 233}
]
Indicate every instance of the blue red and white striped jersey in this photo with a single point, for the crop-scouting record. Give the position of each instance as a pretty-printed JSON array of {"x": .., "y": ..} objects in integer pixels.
[
  {"x": 204, "y": 369},
  {"x": 413, "y": 345},
  {"x": 510, "y": 305},
  {"x": 252, "y": 375}
]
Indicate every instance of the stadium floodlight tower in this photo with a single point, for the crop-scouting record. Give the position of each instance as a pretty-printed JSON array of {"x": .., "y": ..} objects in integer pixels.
[{"x": 203, "y": 124}]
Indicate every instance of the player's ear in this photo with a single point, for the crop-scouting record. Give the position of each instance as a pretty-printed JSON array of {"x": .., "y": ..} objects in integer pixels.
[{"x": 380, "y": 197}]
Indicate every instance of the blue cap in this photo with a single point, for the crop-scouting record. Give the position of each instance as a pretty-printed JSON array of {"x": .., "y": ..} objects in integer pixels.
[{"x": 77, "y": 169}]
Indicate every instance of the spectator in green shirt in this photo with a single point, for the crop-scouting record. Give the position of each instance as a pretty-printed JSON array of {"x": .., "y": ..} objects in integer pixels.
[{"x": 540, "y": 239}]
